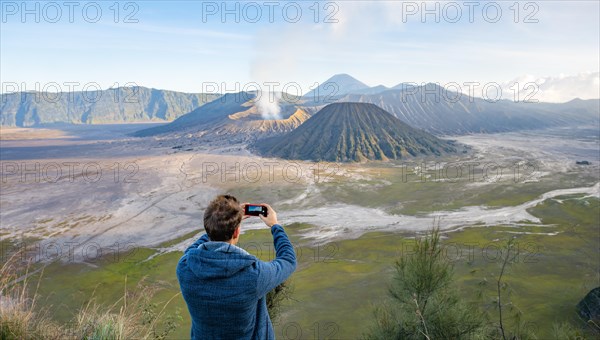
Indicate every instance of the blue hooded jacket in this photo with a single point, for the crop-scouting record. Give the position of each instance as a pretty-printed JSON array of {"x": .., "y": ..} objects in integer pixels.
[{"x": 224, "y": 287}]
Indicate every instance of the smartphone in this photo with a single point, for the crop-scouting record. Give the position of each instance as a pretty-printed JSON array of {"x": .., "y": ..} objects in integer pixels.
[{"x": 255, "y": 210}]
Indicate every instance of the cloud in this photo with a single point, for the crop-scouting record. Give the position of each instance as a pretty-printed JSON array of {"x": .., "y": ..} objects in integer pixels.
[
  {"x": 554, "y": 89},
  {"x": 288, "y": 53},
  {"x": 360, "y": 18}
]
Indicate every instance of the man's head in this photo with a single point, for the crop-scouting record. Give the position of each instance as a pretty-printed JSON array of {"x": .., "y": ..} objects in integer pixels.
[{"x": 222, "y": 218}]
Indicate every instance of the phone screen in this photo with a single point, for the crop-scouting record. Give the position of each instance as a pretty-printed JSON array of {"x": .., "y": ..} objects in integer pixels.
[{"x": 255, "y": 210}]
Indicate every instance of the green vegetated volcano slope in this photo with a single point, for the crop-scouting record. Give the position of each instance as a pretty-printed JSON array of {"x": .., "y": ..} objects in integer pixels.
[{"x": 354, "y": 132}]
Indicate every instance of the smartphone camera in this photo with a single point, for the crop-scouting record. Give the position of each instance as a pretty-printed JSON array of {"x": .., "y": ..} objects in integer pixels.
[{"x": 255, "y": 210}]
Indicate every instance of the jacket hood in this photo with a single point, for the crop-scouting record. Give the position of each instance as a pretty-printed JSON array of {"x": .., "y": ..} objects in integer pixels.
[{"x": 218, "y": 260}]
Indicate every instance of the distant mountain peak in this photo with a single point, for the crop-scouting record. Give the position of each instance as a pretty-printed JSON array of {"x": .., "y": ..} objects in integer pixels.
[
  {"x": 338, "y": 85},
  {"x": 346, "y": 77}
]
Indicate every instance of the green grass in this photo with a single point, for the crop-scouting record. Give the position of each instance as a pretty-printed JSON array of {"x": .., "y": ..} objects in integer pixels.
[
  {"x": 388, "y": 189},
  {"x": 337, "y": 284},
  {"x": 552, "y": 273}
]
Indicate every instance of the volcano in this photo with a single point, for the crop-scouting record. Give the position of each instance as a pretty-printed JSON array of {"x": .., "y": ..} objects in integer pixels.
[
  {"x": 235, "y": 117},
  {"x": 353, "y": 132}
]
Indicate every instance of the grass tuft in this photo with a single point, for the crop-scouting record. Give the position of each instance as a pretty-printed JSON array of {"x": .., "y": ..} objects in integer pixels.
[{"x": 132, "y": 316}]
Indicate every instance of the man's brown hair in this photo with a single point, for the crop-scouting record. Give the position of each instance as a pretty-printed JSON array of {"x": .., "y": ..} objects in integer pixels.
[{"x": 222, "y": 216}]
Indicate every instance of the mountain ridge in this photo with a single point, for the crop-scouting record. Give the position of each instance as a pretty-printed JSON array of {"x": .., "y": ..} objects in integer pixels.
[
  {"x": 414, "y": 105},
  {"x": 439, "y": 111},
  {"x": 120, "y": 105}
]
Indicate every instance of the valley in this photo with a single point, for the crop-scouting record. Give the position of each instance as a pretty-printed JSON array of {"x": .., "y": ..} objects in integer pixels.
[{"x": 349, "y": 221}]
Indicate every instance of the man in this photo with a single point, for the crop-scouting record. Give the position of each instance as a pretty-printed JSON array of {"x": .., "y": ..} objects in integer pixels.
[{"x": 223, "y": 285}]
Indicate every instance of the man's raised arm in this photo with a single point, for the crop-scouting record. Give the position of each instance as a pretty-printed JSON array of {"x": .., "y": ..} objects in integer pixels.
[{"x": 271, "y": 274}]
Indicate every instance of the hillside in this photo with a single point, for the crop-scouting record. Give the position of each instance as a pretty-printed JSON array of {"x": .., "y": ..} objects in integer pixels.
[
  {"x": 235, "y": 117},
  {"x": 121, "y": 105},
  {"x": 438, "y": 111},
  {"x": 353, "y": 132}
]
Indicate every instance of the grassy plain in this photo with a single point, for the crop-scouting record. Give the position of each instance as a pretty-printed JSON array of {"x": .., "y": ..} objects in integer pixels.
[{"x": 338, "y": 283}]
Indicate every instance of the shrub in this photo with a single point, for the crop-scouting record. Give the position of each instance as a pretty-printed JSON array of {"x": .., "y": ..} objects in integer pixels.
[{"x": 424, "y": 302}]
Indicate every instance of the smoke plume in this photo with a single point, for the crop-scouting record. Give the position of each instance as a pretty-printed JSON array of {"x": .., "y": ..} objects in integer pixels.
[{"x": 268, "y": 104}]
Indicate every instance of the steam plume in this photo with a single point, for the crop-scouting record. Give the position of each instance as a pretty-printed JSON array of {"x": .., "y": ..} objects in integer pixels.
[{"x": 268, "y": 104}]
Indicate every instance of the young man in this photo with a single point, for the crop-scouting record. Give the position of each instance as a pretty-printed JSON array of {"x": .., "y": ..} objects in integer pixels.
[{"x": 223, "y": 285}]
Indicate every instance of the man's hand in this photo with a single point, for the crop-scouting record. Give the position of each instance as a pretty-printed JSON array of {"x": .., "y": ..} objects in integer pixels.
[
  {"x": 271, "y": 218},
  {"x": 243, "y": 206}
]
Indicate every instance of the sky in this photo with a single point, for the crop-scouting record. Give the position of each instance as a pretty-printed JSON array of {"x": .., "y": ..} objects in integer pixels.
[{"x": 216, "y": 46}]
